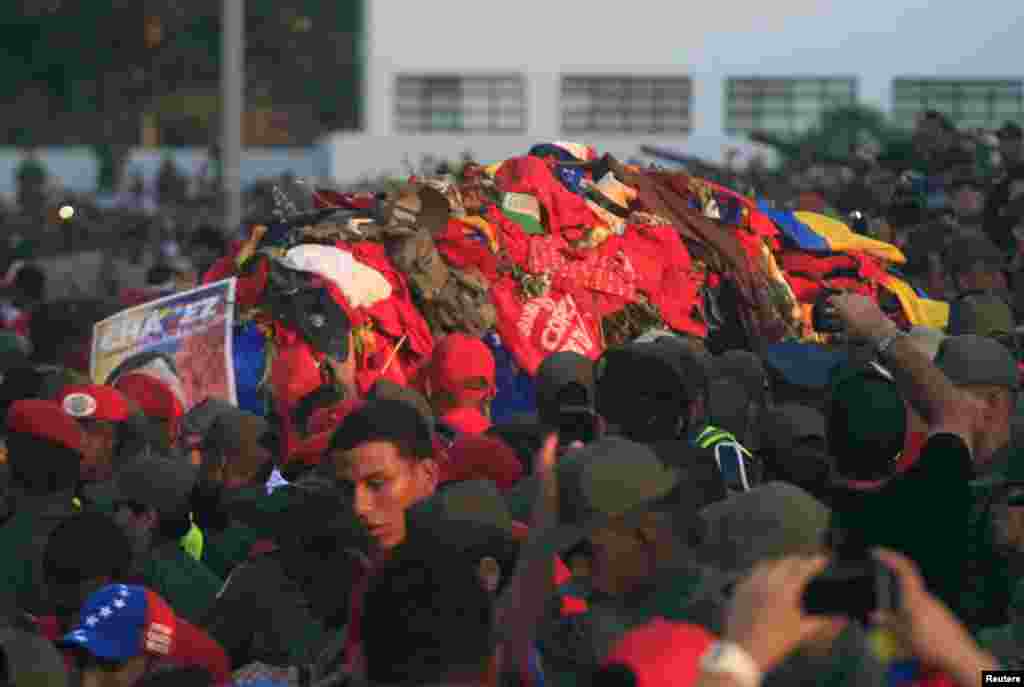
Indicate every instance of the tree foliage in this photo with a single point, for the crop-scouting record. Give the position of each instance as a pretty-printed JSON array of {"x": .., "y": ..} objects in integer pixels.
[{"x": 84, "y": 71}]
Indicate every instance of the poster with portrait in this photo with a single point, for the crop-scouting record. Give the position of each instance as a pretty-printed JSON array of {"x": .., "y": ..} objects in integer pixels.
[{"x": 192, "y": 330}]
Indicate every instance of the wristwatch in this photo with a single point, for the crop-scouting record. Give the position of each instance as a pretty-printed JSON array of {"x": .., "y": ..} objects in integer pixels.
[
  {"x": 728, "y": 658},
  {"x": 885, "y": 344}
]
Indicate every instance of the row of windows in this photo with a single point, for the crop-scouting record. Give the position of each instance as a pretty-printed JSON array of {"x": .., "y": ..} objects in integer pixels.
[{"x": 497, "y": 103}]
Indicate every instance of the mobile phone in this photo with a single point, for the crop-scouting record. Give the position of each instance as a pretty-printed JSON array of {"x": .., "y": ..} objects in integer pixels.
[
  {"x": 854, "y": 584},
  {"x": 732, "y": 466}
]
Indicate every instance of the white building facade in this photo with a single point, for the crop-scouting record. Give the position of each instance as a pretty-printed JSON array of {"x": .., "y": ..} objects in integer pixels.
[{"x": 494, "y": 79}]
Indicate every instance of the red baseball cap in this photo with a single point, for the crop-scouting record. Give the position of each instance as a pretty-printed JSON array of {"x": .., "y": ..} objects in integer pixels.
[
  {"x": 94, "y": 402},
  {"x": 662, "y": 653},
  {"x": 44, "y": 420},
  {"x": 457, "y": 364},
  {"x": 482, "y": 457}
]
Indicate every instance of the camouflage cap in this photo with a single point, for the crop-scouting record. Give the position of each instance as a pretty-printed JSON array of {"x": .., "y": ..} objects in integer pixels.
[{"x": 607, "y": 479}]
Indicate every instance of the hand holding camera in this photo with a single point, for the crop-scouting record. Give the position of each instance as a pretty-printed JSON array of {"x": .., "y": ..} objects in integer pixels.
[
  {"x": 765, "y": 617},
  {"x": 927, "y": 627}
]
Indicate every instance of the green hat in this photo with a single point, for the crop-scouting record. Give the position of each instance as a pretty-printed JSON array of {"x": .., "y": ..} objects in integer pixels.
[
  {"x": 470, "y": 518},
  {"x": 984, "y": 314},
  {"x": 301, "y": 510},
  {"x": 476, "y": 501},
  {"x": 977, "y": 360},
  {"x": 866, "y": 423},
  {"x": 605, "y": 480},
  {"x": 770, "y": 521}
]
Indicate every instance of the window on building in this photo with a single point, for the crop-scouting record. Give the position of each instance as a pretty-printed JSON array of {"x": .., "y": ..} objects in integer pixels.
[
  {"x": 969, "y": 103},
  {"x": 438, "y": 103},
  {"x": 783, "y": 105},
  {"x": 626, "y": 104}
]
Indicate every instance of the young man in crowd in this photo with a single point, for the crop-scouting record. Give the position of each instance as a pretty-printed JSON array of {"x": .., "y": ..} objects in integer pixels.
[{"x": 383, "y": 456}]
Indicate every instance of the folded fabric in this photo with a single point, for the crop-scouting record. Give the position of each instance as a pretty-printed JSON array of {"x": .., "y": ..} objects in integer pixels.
[
  {"x": 919, "y": 311},
  {"x": 667, "y": 275},
  {"x": 362, "y": 286},
  {"x": 805, "y": 365},
  {"x": 516, "y": 394},
  {"x": 459, "y": 246},
  {"x": 841, "y": 238},
  {"x": 566, "y": 151},
  {"x": 535, "y": 328},
  {"x": 524, "y": 209},
  {"x": 396, "y": 316},
  {"x": 569, "y": 270},
  {"x": 795, "y": 231},
  {"x": 531, "y": 175}
]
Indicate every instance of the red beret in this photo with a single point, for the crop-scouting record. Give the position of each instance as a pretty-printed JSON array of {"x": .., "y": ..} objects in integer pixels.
[
  {"x": 94, "y": 402},
  {"x": 44, "y": 420},
  {"x": 156, "y": 399}
]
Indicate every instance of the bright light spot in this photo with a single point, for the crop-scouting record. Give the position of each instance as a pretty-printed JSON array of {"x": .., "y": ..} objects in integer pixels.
[{"x": 66, "y": 212}]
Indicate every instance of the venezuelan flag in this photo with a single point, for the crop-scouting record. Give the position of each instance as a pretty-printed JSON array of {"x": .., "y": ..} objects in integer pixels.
[
  {"x": 841, "y": 239},
  {"x": 919, "y": 311}
]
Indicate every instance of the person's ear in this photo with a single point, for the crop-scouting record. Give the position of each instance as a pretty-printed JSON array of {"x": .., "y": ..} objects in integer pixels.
[
  {"x": 430, "y": 473},
  {"x": 488, "y": 571}
]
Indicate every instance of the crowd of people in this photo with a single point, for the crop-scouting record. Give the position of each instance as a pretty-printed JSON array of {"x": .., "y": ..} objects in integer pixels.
[{"x": 672, "y": 511}]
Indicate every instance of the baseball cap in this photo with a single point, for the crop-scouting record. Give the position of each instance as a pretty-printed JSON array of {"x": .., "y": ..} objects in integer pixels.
[
  {"x": 120, "y": 622},
  {"x": 985, "y": 314},
  {"x": 659, "y": 653},
  {"x": 557, "y": 372},
  {"x": 458, "y": 363},
  {"x": 474, "y": 500},
  {"x": 478, "y": 456},
  {"x": 770, "y": 521},
  {"x": 641, "y": 388},
  {"x": 94, "y": 402},
  {"x": 866, "y": 423},
  {"x": 30, "y": 660},
  {"x": 160, "y": 482},
  {"x": 977, "y": 360},
  {"x": 44, "y": 420},
  {"x": 606, "y": 479},
  {"x": 324, "y": 323}
]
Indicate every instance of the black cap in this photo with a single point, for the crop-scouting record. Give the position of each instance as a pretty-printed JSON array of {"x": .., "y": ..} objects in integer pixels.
[{"x": 321, "y": 321}]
